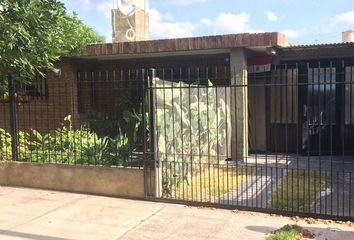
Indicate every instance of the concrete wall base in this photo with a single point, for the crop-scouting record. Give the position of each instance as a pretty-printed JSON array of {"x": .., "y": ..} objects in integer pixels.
[{"x": 116, "y": 182}]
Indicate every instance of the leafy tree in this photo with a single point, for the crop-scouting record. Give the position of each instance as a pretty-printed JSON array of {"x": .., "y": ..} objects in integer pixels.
[{"x": 35, "y": 33}]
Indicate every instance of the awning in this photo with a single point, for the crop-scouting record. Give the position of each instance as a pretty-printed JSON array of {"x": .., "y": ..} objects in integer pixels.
[{"x": 259, "y": 64}]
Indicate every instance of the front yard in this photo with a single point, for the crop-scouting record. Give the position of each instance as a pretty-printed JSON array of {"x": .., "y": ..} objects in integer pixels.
[
  {"x": 298, "y": 190},
  {"x": 207, "y": 184}
]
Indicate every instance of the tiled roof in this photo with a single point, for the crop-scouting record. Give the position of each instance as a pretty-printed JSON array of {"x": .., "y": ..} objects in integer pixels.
[
  {"x": 323, "y": 45},
  {"x": 328, "y": 50}
]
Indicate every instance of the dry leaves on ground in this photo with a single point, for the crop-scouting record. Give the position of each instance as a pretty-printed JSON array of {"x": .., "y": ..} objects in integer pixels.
[{"x": 322, "y": 221}]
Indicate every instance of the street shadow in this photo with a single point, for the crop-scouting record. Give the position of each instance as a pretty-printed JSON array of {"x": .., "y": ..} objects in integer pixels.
[
  {"x": 261, "y": 229},
  {"x": 28, "y": 235}
]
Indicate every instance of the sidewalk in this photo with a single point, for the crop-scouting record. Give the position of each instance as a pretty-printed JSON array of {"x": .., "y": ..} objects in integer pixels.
[{"x": 42, "y": 215}]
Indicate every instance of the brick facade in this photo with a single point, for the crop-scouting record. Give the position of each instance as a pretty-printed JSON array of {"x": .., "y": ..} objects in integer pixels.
[
  {"x": 91, "y": 85},
  {"x": 45, "y": 114}
]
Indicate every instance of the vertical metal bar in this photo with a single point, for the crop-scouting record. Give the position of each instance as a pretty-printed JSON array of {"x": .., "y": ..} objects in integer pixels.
[
  {"x": 287, "y": 121},
  {"x": 254, "y": 89},
  {"x": 268, "y": 91},
  {"x": 5, "y": 115},
  {"x": 70, "y": 110},
  {"x": 190, "y": 131},
  {"x": 332, "y": 121},
  {"x": 182, "y": 135},
  {"x": 309, "y": 118},
  {"x": 51, "y": 102},
  {"x": 23, "y": 151},
  {"x": 217, "y": 131},
  {"x": 145, "y": 156},
  {"x": 150, "y": 155},
  {"x": 208, "y": 134},
  {"x": 234, "y": 88},
  {"x": 155, "y": 133},
  {"x": 320, "y": 106},
  {"x": 297, "y": 120},
  {"x": 199, "y": 137},
  {"x": 175, "y": 175},
  {"x": 165, "y": 163},
  {"x": 45, "y": 98},
  {"x": 343, "y": 143},
  {"x": 278, "y": 82},
  {"x": 226, "y": 141},
  {"x": 13, "y": 117}
]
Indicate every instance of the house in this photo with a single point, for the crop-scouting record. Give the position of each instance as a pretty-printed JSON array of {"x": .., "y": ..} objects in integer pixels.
[{"x": 283, "y": 99}]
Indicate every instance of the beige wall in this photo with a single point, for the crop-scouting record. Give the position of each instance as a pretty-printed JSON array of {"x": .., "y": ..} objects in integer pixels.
[
  {"x": 239, "y": 102},
  {"x": 116, "y": 182},
  {"x": 257, "y": 115}
]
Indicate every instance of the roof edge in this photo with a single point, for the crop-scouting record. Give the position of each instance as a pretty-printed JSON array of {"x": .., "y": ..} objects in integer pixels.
[{"x": 188, "y": 44}]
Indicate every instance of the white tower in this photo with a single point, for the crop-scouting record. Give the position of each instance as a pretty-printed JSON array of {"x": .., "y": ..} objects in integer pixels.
[{"x": 130, "y": 21}]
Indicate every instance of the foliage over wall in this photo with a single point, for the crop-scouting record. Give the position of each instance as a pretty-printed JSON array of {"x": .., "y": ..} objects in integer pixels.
[{"x": 35, "y": 33}]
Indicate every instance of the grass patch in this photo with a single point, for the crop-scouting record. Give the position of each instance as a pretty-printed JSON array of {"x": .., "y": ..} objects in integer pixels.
[
  {"x": 210, "y": 183},
  {"x": 290, "y": 232},
  {"x": 298, "y": 190}
]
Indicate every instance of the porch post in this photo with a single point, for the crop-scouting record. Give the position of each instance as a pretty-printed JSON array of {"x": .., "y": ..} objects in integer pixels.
[{"x": 239, "y": 104}]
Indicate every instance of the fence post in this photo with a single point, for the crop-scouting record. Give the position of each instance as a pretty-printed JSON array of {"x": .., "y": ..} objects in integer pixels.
[
  {"x": 151, "y": 104},
  {"x": 13, "y": 116},
  {"x": 146, "y": 157}
]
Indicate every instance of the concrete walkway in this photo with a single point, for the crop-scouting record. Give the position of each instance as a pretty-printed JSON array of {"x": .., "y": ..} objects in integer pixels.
[
  {"x": 255, "y": 190},
  {"x": 40, "y": 215}
]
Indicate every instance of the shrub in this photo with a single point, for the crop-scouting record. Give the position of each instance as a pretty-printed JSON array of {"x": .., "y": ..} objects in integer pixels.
[{"x": 71, "y": 146}]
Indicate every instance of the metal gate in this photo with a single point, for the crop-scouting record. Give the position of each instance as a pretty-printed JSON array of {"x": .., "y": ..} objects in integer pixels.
[{"x": 277, "y": 141}]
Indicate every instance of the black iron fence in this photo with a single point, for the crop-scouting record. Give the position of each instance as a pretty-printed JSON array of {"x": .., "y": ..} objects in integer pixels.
[
  {"x": 85, "y": 118},
  {"x": 278, "y": 139}
]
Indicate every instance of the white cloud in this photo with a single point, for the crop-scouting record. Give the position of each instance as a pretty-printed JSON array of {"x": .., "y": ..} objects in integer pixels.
[
  {"x": 347, "y": 17},
  {"x": 227, "y": 23},
  {"x": 290, "y": 33},
  {"x": 185, "y": 2},
  {"x": 271, "y": 16},
  {"x": 206, "y": 21},
  {"x": 162, "y": 27},
  {"x": 105, "y": 8}
]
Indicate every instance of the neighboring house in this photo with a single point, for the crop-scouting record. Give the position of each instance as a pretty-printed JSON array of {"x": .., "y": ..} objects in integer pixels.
[{"x": 291, "y": 97}]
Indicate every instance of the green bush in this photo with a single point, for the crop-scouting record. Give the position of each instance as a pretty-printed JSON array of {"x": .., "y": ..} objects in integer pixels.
[
  {"x": 5, "y": 145},
  {"x": 71, "y": 146}
]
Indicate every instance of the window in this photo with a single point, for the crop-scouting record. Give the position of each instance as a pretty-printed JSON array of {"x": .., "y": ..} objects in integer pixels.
[
  {"x": 321, "y": 96},
  {"x": 36, "y": 89},
  {"x": 283, "y": 95},
  {"x": 349, "y": 95}
]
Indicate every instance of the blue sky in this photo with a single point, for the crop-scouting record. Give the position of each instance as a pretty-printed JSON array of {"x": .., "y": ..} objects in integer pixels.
[{"x": 303, "y": 21}]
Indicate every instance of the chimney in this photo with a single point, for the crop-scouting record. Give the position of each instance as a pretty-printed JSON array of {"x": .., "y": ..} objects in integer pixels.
[{"x": 348, "y": 36}]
